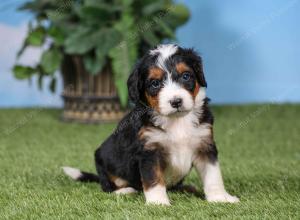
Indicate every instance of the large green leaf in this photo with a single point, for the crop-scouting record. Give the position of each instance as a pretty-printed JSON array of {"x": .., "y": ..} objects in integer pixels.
[
  {"x": 162, "y": 27},
  {"x": 94, "y": 64},
  {"x": 80, "y": 42},
  {"x": 37, "y": 6},
  {"x": 84, "y": 40},
  {"x": 108, "y": 39},
  {"x": 57, "y": 35},
  {"x": 150, "y": 37},
  {"x": 177, "y": 15},
  {"x": 59, "y": 17},
  {"x": 153, "y": 7},
  {"x": 103, "y": 5},
  {"x": 124, "y": 56},
  {"x": 126, "y": 5},
  {"x": 95, "y": 14},
  {"x": 51, "y": 60},
  {"x": 23, "y": 72},
  {"x": 36, "y": 37}
]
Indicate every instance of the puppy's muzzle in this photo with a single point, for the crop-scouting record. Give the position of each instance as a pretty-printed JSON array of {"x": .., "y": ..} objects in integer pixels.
[{"x": 176, "y": 103}]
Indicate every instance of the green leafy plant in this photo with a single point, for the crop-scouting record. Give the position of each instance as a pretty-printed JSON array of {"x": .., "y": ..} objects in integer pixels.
[{"x": 101, "y": 32}]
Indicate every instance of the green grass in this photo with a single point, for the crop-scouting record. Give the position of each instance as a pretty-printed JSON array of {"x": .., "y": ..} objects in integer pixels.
[{"x": 259, "y": 151}]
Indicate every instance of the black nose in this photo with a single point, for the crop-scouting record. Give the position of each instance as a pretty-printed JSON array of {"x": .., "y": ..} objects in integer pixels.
[{"x": 176, "y": 103}]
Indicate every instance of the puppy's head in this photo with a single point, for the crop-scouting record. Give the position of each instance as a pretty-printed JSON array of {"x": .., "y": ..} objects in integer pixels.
[{"x": 168, "y": 79}]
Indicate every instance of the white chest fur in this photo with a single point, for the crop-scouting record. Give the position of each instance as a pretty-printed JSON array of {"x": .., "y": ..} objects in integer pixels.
[{"x": 181, "y": 137}]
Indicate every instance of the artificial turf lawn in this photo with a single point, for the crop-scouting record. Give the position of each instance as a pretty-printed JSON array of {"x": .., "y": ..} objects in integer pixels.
[{"x": 259, "y": 152}]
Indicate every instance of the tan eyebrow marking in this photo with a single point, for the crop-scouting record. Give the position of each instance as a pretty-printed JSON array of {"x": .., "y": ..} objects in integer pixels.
[
  {"x": 182, "y": 67},
  {"x": 156, "y": 73}
]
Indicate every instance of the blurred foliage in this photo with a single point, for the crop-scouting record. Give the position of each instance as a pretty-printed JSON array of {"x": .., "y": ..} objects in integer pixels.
[{"x": 102, "y": 32}]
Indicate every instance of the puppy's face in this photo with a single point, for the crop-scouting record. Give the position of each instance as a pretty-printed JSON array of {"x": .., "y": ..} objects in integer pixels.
[
  {"x": 171, "y": 90},
  {"x": 168, "y": 80}
]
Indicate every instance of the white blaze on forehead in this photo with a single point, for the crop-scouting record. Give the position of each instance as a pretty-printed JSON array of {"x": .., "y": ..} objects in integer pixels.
[{"x": 164, "y": 51}]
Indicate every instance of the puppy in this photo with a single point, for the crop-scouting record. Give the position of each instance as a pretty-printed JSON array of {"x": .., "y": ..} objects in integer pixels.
[{"x": 169, "y": 131}]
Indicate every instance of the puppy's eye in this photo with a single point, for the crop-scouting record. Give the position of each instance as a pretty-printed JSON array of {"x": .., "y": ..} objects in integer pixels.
[
  {"x": 186, "y": 76},
  {"x": 155, "y": 83}
]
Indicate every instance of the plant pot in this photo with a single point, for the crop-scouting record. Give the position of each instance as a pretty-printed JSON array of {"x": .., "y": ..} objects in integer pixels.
[{"x": 89, "y": 98}]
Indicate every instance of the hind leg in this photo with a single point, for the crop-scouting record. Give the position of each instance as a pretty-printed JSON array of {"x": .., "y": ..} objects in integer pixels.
[
  {"x": 114, "y": 184},
  {"x": 122, "y": 186},
  {"x": 125, "y": 190},
  {"x": 106, "y": 184}
]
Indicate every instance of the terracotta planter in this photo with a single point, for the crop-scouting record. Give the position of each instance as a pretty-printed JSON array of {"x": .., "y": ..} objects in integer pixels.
[{"x": 89, "y": 98}]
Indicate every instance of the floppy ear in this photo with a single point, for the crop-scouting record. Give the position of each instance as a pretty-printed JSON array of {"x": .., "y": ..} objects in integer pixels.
[
  {"x": 134, "y": 85},
  {"x": 198, "y": 67}
]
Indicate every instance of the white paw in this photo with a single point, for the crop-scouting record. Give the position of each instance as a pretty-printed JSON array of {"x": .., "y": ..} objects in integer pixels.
[
  {"x": 165, "y": 202},
  {"x": 157, "y": 195},
  {"x": 222, "y": 197},
  {"x": 124, "y": 191}
]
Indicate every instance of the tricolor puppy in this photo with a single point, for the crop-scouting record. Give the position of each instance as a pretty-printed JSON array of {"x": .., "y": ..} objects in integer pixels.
[{"x": 169, "y": 131}]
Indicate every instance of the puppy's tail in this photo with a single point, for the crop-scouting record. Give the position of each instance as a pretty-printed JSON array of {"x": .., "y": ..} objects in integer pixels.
[{"x": 81, "y": 176}]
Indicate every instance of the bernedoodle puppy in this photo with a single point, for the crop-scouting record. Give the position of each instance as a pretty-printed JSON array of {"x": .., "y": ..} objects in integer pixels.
[{"x": 169, "y": 131}]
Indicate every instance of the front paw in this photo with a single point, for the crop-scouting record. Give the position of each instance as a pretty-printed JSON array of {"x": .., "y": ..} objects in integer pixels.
[
  {"x": 222, "y": 197},
  {"x": 157, "y": 195},
  {"x": 164, "y": 202}
]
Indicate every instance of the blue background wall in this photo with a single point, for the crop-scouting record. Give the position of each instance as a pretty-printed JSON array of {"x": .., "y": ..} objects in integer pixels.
[{"x": 251, "y": 51}]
